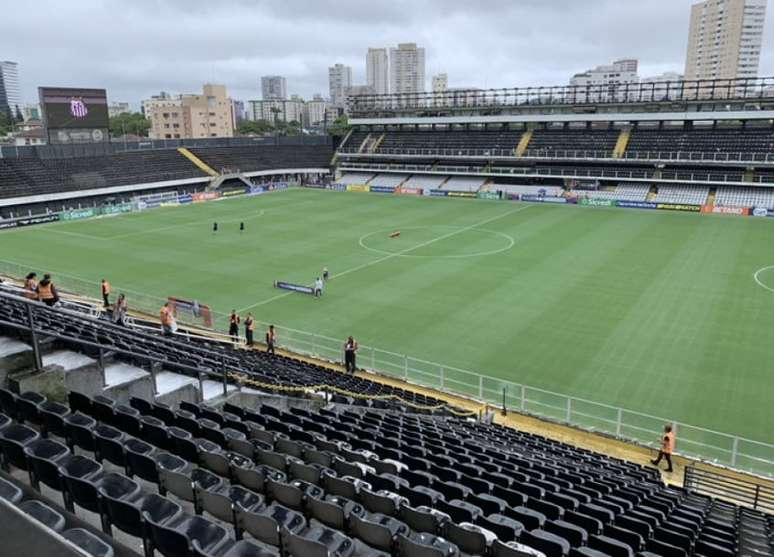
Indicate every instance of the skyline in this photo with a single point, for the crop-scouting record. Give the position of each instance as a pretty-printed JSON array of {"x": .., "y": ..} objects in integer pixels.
[{"x": 184, "y": 44}]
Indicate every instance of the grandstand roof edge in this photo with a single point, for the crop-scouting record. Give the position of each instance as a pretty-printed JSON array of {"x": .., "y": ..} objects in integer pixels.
[{"x": 599, "y": 117}]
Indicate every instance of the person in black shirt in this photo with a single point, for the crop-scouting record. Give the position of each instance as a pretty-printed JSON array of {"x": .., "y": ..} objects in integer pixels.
[{"x": 350, "y": 347}]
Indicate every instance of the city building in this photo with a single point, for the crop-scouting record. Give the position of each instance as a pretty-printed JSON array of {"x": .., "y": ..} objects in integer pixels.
[
  {"x": 662, "y": 87},
  {"x": 31, "y": 111},
  {"x": 116, "y": 108},
  {"x": 274, "y": 87},
  {"x": 192, "y": 116},
  {"x": 314, "y": 111},
  {"x": 339, "y": 80},
  {"x": 605, "y": 83},
  {"x": 378, "y": 70},
  {"x": 725, "y": 39},
  {"x": 10, "y": 93},
  {"x": 440, "y": 83},
  {"x": 160, "y": 100},
  {"x": 407, "y": 69},
  {"x": 239, "y": 111},
  {"x": 275, "y": 111}
]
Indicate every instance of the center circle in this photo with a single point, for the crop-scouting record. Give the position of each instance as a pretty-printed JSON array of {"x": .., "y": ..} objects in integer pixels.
[
  {"x": 760, "y": 273},
  {"x": 414, "y": 239}
]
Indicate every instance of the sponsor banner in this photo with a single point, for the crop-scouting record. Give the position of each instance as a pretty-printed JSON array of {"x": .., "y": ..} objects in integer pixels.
[
  {"x": 678, "y": 207},
  {"x": 514, "y": 196},
  {"x": 170, "y": 203},
  {"x": 256, "y": 190},
  {"x": 439, "y": 193},
  {"x": 294, "y": 287},
  {"x": 543, "y": 198},
  {"x": 337, "y": 187},
  {"x": 183, "y": 199},
  {"x": 466, "y": 194},
  {"x": 409, "y": 191},
  {"x": 597, "y": 202},
  {"x": 357, "y": 187},
  {"x": 382, "y": 189},
  {"x": 488, "y": 195},
  {"x": 78, "y": 214},
  {"x": 28, "y": 221},
  {"x": 725, "y": 210},
  {"x": 315, "y": 186},
  {"x": 760, "y": 212},
  {"x": 233, "y": 192},
  {"x": 636, "y": 204},
  {"x": 191, "y": 309},
  {"x": 205, "y": 196},
  {"x": 117, "y": 209}
]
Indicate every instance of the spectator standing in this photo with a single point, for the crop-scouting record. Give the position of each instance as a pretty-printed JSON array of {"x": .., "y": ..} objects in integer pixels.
[
  {"x": 166, "y": 318},
  {"x": 350, "y": 348},
  {"x": 249, "y": 329},
  {"x": 667, "y": 448},
  {"x": 31, "y": 286},
  {"x": 47, "y": 291},
  {"x": 326, "y": 275},
  {"x": 271, "y": 336},
  {"x": 119, "y": 310},
  {"x": 106, "y": 292},
  {"x": 318, "y": 287},
  {"x": 233, "y": 325}
]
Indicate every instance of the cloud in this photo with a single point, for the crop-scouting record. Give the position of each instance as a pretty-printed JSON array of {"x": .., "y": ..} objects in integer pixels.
[{"x": 135, "y": 49}]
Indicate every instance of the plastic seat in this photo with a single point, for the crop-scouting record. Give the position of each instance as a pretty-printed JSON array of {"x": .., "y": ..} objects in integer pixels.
[
  {"x": 222, "y": 502},
  {"x": 532, "y": 520},
  {"x": 182, "y": 444},
  {"x": 176, "y": 538},
  {"x": 89, "y": 543},
  {"x": 109, "y": 445},
  {"x": 28, "y": 407},
  {"x": 419, "y": 520},
  {"x": 44, "y": 514},
  {"x": 215, "y": 460},
  {"x": 103, "y": 409},
  {"x": 80, "y": 476},
  {"x": 241, "y": 548},
  {"x": 52, "y": 415},
  {"x": 8, "y": 404},
  {"x": 506, "y": 529},
  {"x": 333, "y": 511},
  {"x": 466, "y": 539},
  {"x": 13, "y": 439},
  {"x": 317, "y": 542},
  {"x": 632, "y": 539},
  {"x": 610, "y": 546},
  {"x": 79, "y": 431},
  {"x": 576, "y": 535},
  {"x": 115, "y": 489},
  {"x": 140, "y": 460},
  {"x": 127, "y": 419},
  {"x": 552, "y": 545},
  {"x": 267, "y": 524},
  {"x": 377, "y": 530},
  {"x": 174, "y": 474},
  {"x": 79, "y": 402},
  {"x": 43, "y": 456},
  {"x": 514, "y": 549},
  {"x": 153, "y": 431},
  {"x": 10, "y": 492},
  {"x": 425, "y": 545}
]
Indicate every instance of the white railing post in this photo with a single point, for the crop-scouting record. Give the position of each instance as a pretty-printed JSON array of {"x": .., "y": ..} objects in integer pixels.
[
  {"x": 481, "y": 387},
  {"x": 373, "y": 359},
  {"x": 734, "y": 451},
  {"x": 522, "y": 397},
  {"x": 442, "y": 378},
  {"x": 569, "y": 409},
  {"x": 619, "y": 422},
  {"x": 405, "y": 367}
]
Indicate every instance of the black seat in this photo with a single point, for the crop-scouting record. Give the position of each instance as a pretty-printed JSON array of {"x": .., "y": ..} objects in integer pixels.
[
  {"x": 28, "y": 407},
  {"x": 632, "y": 539},
  {"x": 80, "y": 476},
  {"x": 468, "y": 540},
  {"x": 120, "y": 504},
  {"x": 532, "y": 520},
  {"x": 176, "y": 538},
  {"x": 79, "y": 431},
  {"x": 13, "y": 439},
  {"x": 576, "y": 535},
  {"x": 44, "y": 456},
  {"x": 44, "y": 514},
  {"x": 52, "y": 415},
  {"x": 612, "y": 547},
  {"x": 373, "y": 531},
  {"x": 424, "y": 545},
  {"x": 241, "y": 548},
  {"x": 10, "y": 492},
  {"x": 109, "y": 445},
  {"x": 552, "y": 545},
  {"x": 223, "y": 501},
  {"x": 89, "y": 543},
  {"x": 267, "y": 524},
  {"x": 317, "y": 542},
  {"x": 506, "y": 529},
  {"x": 419, "y": 520}
]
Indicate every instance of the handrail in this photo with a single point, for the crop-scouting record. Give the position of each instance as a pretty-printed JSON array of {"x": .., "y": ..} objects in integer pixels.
[{"x": 739, "y": 491}]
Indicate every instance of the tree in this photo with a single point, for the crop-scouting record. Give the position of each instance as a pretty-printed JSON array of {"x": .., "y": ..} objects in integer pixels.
[
  {"x": 129, "y": 124},
  {"x": 19, "y": 115},
  {"x": 257, "y": 127},
  {"x": 6, "y": 122},
  {"x": 340, "y": 126}
]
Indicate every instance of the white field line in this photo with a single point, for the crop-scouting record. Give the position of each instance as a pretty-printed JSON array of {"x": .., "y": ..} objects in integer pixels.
[{"x": 396, "y": 254}]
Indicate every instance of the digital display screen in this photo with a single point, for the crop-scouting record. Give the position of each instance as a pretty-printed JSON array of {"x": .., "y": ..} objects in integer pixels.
[{"x": 75, "y": 115}]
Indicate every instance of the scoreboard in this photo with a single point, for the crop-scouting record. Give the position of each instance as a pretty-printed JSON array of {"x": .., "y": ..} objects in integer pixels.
[{"x": 74, "y": 115}]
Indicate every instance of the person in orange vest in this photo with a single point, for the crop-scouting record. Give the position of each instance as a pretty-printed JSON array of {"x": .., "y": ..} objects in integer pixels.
[
  {"x": 166, "y": 318},
  {"x": 249, "y": 329},
  {"x": 233, "y": 325},
  {"x": 47, "y": 292},
  {"x": 31, "y": 286},
  {"x": 271, "y": 336},
  {"x": 106, "y": 292},
  {"x": 667, "y": 447}
]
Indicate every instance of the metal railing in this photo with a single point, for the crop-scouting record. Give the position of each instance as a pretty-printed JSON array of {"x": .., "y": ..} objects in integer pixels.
[
  {"x": 721, "y": 91},
  {"x": 695, "y": 442},
  {"x": 755, "y": 495},
  {"x": 571, "y": 154}
]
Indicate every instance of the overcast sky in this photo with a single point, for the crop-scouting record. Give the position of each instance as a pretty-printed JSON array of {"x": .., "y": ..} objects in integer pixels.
[{"x": 135, "y": 48}]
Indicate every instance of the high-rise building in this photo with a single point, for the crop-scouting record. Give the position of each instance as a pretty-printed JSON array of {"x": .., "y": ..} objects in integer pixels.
[
  {"x": 725, "y": 39},
  {"x": 116, "y": 108},
  {"x": 666, "y": 86},
  {"x": 239, "y": 111},
  {"x": 10, "y": 94},
  {"x": 378, "y": 70},
  {"x": 274, "y": 87},
  {"x": 606, "y": 83},
  {"x": 407, "y": 69},
  {"x": 191, "y": 116},
  {"x": 314, "y": 111},
  {"x": 339, "y": 80},
  {"x": 440, "y": 83}
]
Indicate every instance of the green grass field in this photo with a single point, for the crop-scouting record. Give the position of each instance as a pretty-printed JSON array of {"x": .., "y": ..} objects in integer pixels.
[{"x": 657, "y": 312}]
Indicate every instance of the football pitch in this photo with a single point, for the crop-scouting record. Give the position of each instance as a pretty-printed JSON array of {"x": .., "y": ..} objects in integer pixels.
[{"x": 656, "y": 312}]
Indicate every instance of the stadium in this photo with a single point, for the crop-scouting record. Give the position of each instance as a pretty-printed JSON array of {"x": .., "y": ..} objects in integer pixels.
[{"x": 538, "y": 280}]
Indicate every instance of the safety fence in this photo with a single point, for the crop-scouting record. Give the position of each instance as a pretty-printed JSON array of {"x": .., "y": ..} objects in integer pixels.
[
  {"x": 755, "y": 495},
  {"x": 645, "y": 429}
]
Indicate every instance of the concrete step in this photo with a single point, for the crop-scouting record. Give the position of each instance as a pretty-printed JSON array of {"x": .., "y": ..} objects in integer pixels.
[
  {"x": 124, "y": 381},
  {"x": 172, "y": 388},
  {"x": 15, "y": 356}
]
